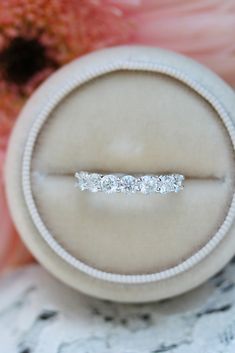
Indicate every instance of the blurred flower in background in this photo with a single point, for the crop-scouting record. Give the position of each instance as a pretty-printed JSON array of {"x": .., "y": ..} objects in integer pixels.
[
  {"x": 36, "y": 38},
  {"x": 39, "y": 36}
]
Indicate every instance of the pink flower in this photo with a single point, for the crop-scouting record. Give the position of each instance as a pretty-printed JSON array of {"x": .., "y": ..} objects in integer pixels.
[
  {"x": 39, "y": 36},
  {"x": 202, "y": 29}
]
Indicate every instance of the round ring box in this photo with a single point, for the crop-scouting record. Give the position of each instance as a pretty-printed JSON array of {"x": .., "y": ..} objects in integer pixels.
[{"x": 129, "y": 110}]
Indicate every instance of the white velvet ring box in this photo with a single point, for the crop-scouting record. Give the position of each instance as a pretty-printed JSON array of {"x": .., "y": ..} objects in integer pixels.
[{"x": 128, "y": 110}]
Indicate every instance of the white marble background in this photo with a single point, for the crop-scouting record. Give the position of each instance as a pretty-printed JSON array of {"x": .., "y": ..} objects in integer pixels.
[{"x": 38, "y": 314}]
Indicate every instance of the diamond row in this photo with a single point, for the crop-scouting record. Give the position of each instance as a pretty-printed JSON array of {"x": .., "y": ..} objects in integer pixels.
[{"x": 129, "y": 184}]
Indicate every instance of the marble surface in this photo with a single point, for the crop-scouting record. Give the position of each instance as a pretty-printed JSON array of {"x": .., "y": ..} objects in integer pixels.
[{"x": 38, "y": 314}]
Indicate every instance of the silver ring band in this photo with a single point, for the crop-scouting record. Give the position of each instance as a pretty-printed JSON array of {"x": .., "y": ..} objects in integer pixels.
[{"x": 129, "y": 184}]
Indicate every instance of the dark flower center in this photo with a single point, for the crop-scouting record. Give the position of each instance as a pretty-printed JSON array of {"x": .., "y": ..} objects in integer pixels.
[{"x": 22, "y": 59}]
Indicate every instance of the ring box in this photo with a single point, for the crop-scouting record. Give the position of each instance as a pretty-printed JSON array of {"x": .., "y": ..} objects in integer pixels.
[{"x": 129, "y": 110}]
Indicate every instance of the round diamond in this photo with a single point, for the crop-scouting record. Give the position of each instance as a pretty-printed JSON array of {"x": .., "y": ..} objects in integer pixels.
[
  {"x": 110, "y": 183},
  {"x": 94, "y": 182},
  {"x": 82, "y": 180},
  {"x": 129, "y": 184},
  {"x": 179, "y": 179},
  {"x": 148, "y": 184},
  {"x": 166, "y": 183}
]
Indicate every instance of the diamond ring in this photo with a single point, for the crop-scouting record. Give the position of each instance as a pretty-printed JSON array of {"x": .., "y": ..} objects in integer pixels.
[{"x": 129, "y": 184}]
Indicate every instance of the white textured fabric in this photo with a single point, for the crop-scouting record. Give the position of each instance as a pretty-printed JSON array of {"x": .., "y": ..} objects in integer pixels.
[{"x": 40, "y": 315}]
